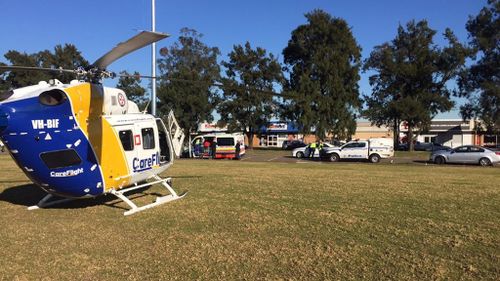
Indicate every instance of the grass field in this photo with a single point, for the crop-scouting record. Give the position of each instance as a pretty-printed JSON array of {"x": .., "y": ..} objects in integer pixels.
[{"x": 251, "y": 220}]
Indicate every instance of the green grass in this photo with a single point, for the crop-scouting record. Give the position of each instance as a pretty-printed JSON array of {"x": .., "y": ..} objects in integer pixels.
[{"x": 250, "y": 220}]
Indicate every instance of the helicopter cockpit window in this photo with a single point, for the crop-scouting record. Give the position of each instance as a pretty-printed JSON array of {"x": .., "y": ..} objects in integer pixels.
[
  {"x": 148, "y": 138},
  {"x": 52, "y": 97},
  {"x": 61, "y": 158},
  {"x": 5, "y": 95},
  {"x": 127, "y": 140}
]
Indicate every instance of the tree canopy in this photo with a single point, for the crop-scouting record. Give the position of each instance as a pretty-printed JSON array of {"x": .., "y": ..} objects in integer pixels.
[
  {"x": 250, "y": 72},
  {"x": 480, "y": 83},
  {"x": 410, "y": 77},
  {"x": 66, "y": 56},
  {"x": 188, "y": 71},
  {"x": 324, "y": 60}
]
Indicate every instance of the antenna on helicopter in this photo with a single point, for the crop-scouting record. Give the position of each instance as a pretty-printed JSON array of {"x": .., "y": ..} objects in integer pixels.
[{"x": 145, "y": 111}]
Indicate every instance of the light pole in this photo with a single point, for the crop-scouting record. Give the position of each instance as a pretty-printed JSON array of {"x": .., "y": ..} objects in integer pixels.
[{"x": 153, "y": 61}]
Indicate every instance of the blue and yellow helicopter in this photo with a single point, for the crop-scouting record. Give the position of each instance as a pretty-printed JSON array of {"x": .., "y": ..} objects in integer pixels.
[{"x": 82, "y": 139}]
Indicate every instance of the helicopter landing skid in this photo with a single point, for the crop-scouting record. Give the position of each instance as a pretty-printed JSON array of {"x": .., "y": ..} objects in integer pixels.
[
  {"x": 46, "y": 203},
  {"x": 159, "y": 200}
]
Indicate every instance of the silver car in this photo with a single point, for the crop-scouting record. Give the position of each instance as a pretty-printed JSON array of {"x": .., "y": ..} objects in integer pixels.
[
  {"x": 466, "y": 154},
  {"x": 301, "y": 151}
]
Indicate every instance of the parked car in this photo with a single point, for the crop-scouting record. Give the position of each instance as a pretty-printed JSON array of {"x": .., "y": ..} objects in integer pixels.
[
  {"x": 372, "y": 149},
  {"x": 466, "y": 154},
  {"x": 301, "y": 151},
  {"x": 290, "y": 145}
]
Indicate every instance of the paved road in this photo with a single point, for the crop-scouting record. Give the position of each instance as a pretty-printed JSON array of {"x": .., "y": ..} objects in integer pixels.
[{"x": 285, "y": 157}]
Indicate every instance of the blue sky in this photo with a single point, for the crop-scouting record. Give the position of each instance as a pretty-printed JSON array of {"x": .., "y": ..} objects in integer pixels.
[{"x": 97, "y": 26}]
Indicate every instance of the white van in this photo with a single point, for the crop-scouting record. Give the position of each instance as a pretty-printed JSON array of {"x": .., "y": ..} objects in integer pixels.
[{"x": 226, "y": 146}]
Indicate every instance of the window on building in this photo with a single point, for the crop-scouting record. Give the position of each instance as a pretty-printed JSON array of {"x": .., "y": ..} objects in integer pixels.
[
  {"x": 148, "y": 138},
  {"x": 127, "y": 139},
  {"x": 272, "y": 140},
  {"x": 491, "y": 139},
  {"x": 60, "y": 158},
  {"x": 430, "y": 139}
]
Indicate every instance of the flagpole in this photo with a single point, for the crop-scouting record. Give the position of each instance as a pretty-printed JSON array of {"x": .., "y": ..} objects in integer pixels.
[{"x": 153, "y": 61}]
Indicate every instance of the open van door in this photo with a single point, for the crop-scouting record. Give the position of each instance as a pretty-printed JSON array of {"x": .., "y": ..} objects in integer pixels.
[{"x": 176, "y": 132}]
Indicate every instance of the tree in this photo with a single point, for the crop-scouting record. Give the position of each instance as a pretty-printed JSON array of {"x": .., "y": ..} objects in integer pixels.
[
  {"x": 4, "y": 85},
  {"x": 18, "y": 78},
  {"x": 480, "y": 83},
  {"x": 188, "y": 72},
  {"x": 131, "y": 85},
  {"x": 382, "y": 106},
  {"x": 250, "y": 74},
  {"x": 410, "y": 78},
  {"x": 324, "y": 60},
  {"x": 67, "y": 57}
]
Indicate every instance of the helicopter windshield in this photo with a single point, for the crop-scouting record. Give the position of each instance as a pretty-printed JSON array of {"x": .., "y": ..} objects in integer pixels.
[{"x": 6, "y": 94}]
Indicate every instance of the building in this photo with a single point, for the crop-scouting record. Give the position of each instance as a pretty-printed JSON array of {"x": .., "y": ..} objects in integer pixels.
[
  {"x": 453, "y": 133},
  {"x": 275, "y": 133},
  {"x": 365, "y": 130},
  {"x": 448, "y": 132}
]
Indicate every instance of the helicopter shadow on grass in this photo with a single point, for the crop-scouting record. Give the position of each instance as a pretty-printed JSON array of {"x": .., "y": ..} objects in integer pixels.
[{"x": 30, "y": 194}]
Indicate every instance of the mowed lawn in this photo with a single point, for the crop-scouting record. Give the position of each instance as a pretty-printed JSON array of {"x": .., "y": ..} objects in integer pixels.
[{"x": 251, "y": 220}]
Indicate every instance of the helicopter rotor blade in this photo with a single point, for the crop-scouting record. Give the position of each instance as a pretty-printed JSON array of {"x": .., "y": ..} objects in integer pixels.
[
  {"x": 138, "y": 41},
  {"x": 215, "y": 84},
  {"x": 136, "y": 76},
  {"x": 34, "y": 68}
]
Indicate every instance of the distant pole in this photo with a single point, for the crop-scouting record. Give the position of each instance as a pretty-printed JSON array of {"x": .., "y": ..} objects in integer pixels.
[{"x": 153, "y": 61}]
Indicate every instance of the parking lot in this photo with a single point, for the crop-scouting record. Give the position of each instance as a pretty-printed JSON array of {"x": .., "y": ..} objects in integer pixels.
[{"x": 285, "y": 156}]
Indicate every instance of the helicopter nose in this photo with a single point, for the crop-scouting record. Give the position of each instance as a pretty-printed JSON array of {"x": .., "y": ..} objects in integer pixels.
[{"x": 4, "y": 119}]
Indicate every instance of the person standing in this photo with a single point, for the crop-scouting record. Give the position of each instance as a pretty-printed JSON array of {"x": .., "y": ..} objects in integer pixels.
[
  {"x": 197, "y": 148},
  {"x": 213, "y": 147},
  {"x": 313, "y": 146},
  {"x": 320, "y": 148},
  {"x": 206, "y": 148},
  {"x": 237, "y": 150}
]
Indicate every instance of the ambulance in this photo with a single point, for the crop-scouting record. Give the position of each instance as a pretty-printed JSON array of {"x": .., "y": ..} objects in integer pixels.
[{"x": 225, "y": 149}]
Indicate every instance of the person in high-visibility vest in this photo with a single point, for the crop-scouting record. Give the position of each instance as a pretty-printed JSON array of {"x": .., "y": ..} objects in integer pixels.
[
  {"x": 313, "y": 147},
  {"x": 320, "y": 148}
]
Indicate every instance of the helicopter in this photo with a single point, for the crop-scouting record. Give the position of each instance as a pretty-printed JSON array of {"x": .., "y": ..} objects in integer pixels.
[{"x": 83, "y": 140}]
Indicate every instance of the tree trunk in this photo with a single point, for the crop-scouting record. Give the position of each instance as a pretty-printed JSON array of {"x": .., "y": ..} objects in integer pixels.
[
  {"x": 250, "y": 140},
  {"x": 396, "y": 133},
  {"x": 189, "y": 147},
  {"x": 410, "y": 138}
]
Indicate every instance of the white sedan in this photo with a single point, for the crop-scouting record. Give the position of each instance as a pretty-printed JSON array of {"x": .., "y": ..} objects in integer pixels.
[{"x": 301, "y": 151}]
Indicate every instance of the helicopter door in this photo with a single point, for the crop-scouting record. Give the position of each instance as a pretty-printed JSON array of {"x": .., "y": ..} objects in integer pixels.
[
  {"x": 148, "y": 148},
  {"x": 165, "y": 143},
  {"x": 129, "y": 141},
  {"x": 176, "y": 132}
]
